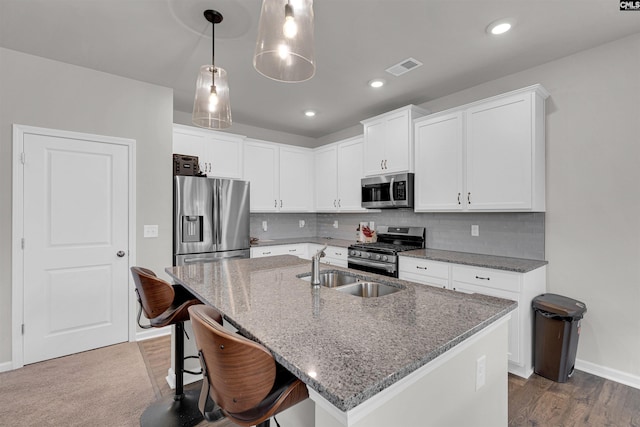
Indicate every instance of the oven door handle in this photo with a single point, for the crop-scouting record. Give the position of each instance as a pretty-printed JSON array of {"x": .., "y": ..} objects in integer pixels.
[{"x": 367, "y": 263}]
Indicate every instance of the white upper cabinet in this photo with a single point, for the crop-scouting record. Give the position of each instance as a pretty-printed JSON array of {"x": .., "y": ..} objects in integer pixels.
[
  {"x": 326, "y": 168},
  {"x": 339, "y": 169},
  {"x": 296, "y": 179},
  {"x": 388, "y": 141},
  {"x": 281, "y": 177},
  {"x": 485, "y": 156},
  {"x": 505, "y": 153},
  {"x": 439, "y": 166},
  {"x": 219, "y": 154},
  {"x": 261, "y": 169}
]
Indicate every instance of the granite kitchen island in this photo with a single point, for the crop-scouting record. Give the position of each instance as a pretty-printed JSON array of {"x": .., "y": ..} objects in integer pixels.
[{"x": 419, "y": 356}]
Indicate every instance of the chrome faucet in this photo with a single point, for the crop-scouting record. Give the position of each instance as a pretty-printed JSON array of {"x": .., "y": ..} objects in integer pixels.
[{"x": 315, "y": 267}]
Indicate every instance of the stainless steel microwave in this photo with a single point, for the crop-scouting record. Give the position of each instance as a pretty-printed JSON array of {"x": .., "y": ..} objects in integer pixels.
[{"x": 387, "y": 191}]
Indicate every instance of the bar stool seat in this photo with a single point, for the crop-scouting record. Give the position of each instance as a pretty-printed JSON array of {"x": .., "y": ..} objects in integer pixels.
[
  {"x": 241, "y": 375},
  {"x": 165, "y": 304}
]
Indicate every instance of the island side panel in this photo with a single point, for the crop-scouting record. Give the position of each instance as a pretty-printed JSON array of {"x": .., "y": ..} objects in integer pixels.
[{"x": 447, "y": 396}]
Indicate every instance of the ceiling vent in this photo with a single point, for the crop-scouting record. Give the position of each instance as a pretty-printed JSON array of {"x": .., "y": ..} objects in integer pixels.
[{"x": 403, "y": 67}]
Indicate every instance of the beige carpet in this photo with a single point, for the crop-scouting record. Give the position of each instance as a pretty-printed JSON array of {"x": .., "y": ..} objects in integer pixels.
[{"x": 104, "y": 387}]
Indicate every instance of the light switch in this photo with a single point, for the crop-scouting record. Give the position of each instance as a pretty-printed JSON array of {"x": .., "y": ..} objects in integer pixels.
[
  {"x": 475, "y": 230},
  {"x": 264, "y": 225},
  {"x": 150, "y": 231}
]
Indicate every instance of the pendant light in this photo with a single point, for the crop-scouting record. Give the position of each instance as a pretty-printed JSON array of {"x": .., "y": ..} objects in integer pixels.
[
  {"x": 211, "y": 107},
  {"x": 285, "y": 46}
]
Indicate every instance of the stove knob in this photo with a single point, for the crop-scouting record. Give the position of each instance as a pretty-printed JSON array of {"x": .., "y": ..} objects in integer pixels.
[
  {"x": 358, "y": 253},
  {"x": 378, "y": 256},
  {"x": 368, "y": 255},
  {"x": 352, "y": 253},
  {"x": 385, "y": 258}
]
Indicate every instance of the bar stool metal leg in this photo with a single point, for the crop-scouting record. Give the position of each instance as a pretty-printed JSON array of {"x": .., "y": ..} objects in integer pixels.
[{"x": 181, "y": 409}]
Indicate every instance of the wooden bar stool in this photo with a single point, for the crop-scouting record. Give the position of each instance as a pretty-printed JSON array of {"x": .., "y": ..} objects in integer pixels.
[
  {"x": 241, "y": 375},
  {"x": 164, "y": 304}
]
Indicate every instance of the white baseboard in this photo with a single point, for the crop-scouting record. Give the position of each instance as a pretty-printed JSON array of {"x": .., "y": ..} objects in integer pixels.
[
  {"x": 152, "y": 333},
  {"x": 6, "y": 366},
  {"x": 609, "y": 373}
]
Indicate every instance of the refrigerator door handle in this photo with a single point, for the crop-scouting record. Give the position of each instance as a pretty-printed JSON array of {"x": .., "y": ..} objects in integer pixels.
[{"x": 218, "y": 214}]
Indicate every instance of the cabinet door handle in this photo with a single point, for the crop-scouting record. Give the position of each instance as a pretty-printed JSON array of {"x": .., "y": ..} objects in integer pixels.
[
  {"x": 280, "y": 202},
  {"x": 292, "y": 250},
  {"x": 483, "y": 278},
  {"x": 275, "y": 203},
  {"x": 458, "y": 198},
  {"x": 381, "y": 162},
  {"x": 469, "y": 197},
  {"x": 334, "y": 203},
  {"x": 421, "y": 268},
  {"x": 338, "y": 202},
  {"x": 266, "y": 253},
  {"x": 385, "y": 165},
  {"x": 338, "y": 253}
]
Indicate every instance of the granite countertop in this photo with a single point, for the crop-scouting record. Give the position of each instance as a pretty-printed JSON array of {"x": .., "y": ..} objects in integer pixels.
[
  {"x": 519, "y": 265},
  {"x": 344, "y": 347}
]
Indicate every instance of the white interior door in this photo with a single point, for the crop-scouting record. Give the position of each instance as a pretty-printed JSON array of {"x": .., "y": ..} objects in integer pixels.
[{"x": 75, "y": 245}]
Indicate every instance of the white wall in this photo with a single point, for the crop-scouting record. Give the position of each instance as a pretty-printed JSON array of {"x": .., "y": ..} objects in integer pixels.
[
  {"x": 593, "y": 193},
  {"x": 38, "y": 92}
]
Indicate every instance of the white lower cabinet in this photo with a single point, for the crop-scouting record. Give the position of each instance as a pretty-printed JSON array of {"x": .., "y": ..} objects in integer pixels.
[{"x": 519, "y": 287}]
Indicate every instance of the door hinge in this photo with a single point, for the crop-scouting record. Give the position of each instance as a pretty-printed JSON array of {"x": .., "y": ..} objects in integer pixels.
[
  {"x": 22, "y": 329},
  {"x": 22, "y": 243},
  {"x": 22, "y": 158}
]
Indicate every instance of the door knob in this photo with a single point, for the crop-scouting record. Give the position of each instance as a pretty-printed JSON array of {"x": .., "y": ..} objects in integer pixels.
[{"x": 120, "y": 253}]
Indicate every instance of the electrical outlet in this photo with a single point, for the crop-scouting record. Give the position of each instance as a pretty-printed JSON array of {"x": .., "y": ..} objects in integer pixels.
[
  {"x": 150, "y": 231},
  {"x": 475, "y": 230},
  {"x": 301, "y": 223},
  {"x": 264, "y": 225},
  {"x": 335, "y": 224},
  {"x": 481, "y": 371}
]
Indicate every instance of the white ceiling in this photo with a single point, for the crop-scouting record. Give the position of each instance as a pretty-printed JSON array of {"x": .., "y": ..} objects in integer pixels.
[{"x": 164, "y": 42}]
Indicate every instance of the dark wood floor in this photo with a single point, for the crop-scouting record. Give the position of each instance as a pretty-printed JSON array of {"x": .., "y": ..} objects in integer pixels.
[{"x": 584, "y": 401}]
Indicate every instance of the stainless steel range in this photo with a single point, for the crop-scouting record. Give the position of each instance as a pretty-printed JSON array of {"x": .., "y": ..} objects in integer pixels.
[{"x": 381, "y": 257}]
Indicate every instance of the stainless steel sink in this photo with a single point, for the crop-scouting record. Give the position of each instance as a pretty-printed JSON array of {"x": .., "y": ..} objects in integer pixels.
[
  {"x": 352, "y": 285},
  {"x": 368, "y": 289},
  {"x": 333, "y": 279}
]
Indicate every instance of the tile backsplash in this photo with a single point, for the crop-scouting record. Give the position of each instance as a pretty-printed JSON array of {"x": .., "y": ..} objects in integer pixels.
[{"x": 519, "y": 235}]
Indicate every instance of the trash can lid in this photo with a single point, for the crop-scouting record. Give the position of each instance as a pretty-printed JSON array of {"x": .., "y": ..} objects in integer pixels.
[{"x": 560, "y": 305}]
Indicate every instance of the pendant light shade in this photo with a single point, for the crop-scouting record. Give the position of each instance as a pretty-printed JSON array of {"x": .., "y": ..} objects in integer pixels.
[
  {"x": 285, "y": 47},
  {"x": 212, "y": 107}
]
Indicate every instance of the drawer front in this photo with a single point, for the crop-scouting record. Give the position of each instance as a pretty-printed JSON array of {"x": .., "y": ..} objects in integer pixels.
[
  {"x": 263, "y": 251},
  {"x": 336, "y": 253},
  {"x": 424, "y": 267},
  {"x": 488, "y": 278}
]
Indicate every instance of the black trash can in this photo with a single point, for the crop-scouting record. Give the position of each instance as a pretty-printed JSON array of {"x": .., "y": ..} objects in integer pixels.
[{"x": 557, "y": 328}]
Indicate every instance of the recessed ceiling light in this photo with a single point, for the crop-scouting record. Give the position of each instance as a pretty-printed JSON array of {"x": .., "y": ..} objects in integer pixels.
[
  {"x": 376, "y": 83},
  {"x": 499, "y": 27},
  {"x": 310, "y": 113}
]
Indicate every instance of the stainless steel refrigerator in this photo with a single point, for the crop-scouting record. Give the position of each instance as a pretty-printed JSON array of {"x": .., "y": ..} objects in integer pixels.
[{"x": 210, "y": 219}]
